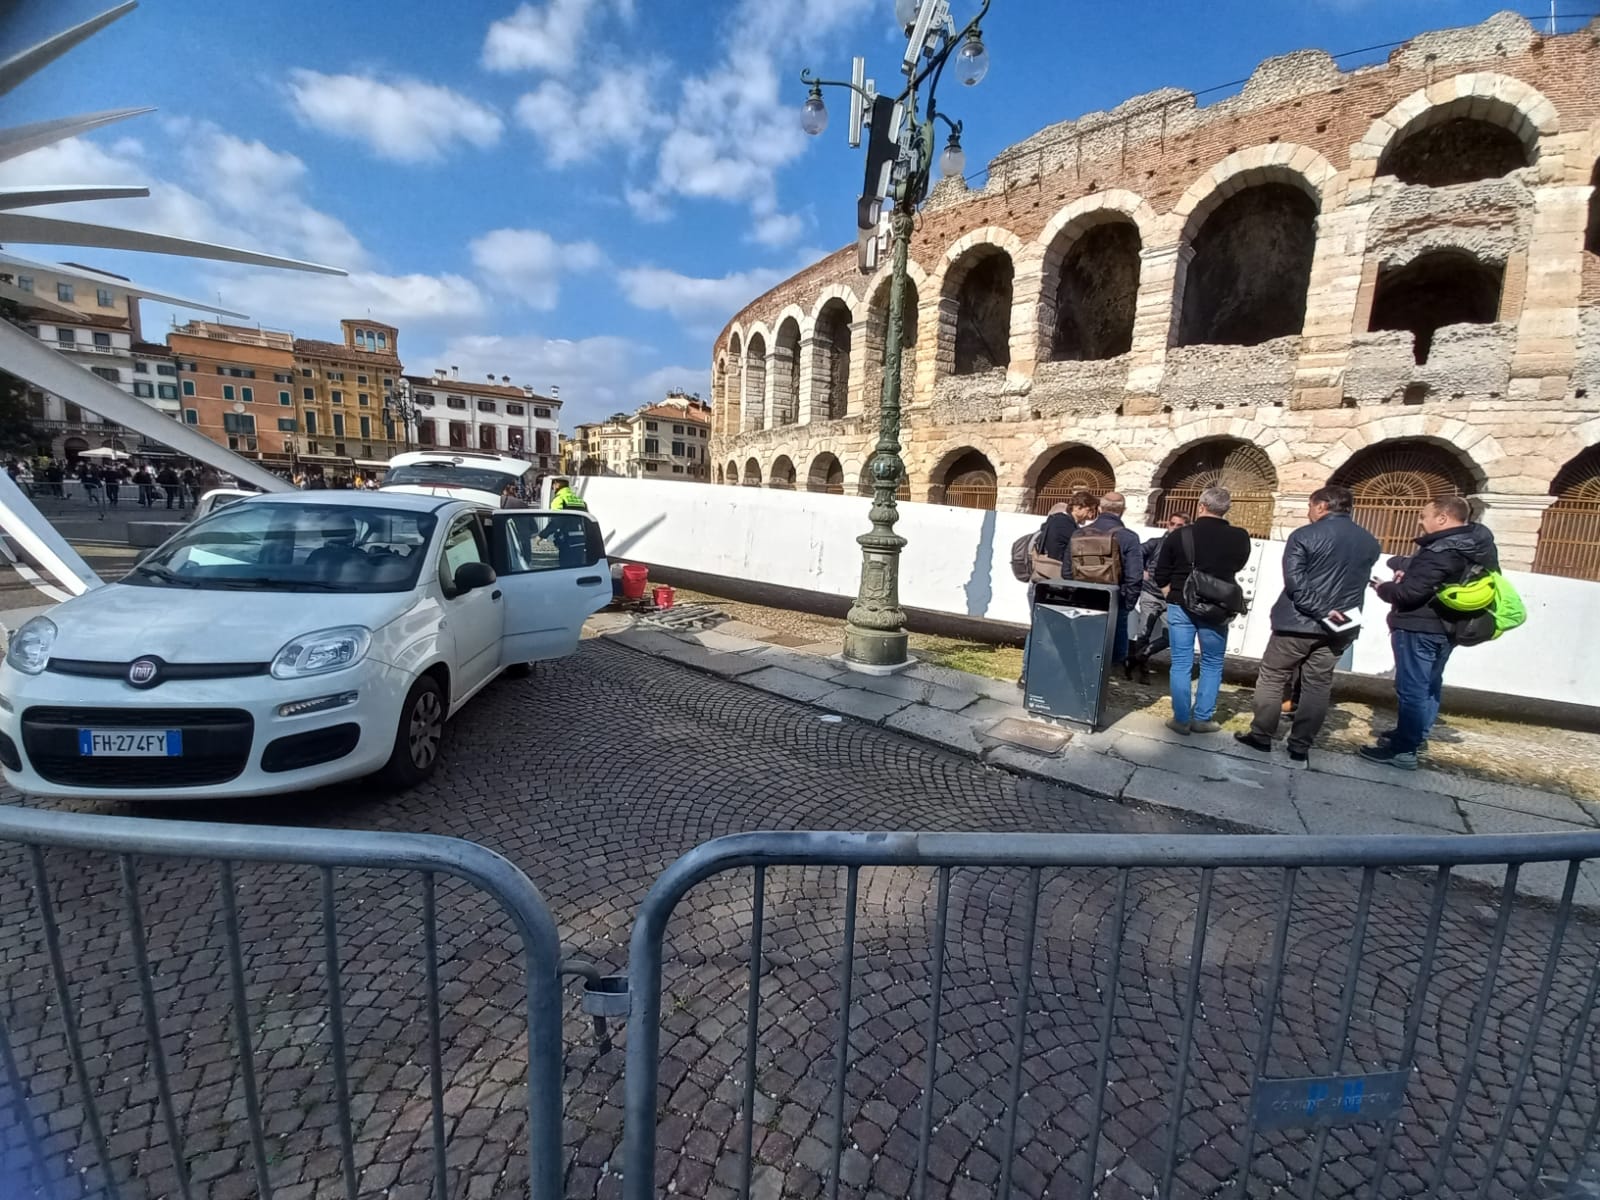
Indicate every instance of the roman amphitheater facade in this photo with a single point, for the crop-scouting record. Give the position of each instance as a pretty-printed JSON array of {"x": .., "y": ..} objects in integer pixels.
[{"x": 1387, "y": 277}]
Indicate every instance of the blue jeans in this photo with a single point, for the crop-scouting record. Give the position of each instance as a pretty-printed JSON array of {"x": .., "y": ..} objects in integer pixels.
[
  {"x": 1213, "y": 644},
  {"x": 1419, "y": 661}
]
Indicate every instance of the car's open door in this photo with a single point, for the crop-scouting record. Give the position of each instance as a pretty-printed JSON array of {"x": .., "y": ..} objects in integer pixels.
[{"x": 553, "y": 572}]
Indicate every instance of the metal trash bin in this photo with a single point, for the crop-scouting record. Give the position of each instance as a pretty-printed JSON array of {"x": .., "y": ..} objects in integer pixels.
[{"x": 1069, "y": 650}]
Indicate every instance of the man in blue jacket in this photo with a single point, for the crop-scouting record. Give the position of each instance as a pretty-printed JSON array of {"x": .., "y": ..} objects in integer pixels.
[
  {"x": 1451, "y": 549},
  {"x": 1326, "y": 566},
  {"x": 1109, "y": 520}
]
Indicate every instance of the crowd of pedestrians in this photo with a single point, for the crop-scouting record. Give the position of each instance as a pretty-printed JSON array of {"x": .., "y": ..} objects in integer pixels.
[{"x": 1179, "y": 591}]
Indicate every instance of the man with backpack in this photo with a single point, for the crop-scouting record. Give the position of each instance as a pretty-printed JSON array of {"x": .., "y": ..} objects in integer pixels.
[
  {"x": 1423, "y": 628},
  {"x": 1326, "y": 566},
  {"x": 1148, "y": 625},
  {"x": 1104, "y": 550}
]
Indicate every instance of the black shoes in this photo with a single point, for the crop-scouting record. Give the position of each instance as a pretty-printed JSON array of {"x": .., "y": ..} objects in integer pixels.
[{"x": 1249, "y": 739}]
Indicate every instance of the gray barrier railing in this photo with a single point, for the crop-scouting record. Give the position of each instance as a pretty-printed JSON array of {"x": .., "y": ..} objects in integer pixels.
[
  {"x": 133, "y": 839},
  {"x": 1316, "y": 1102}
]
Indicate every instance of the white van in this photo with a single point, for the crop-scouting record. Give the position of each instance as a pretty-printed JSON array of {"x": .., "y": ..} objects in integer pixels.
[{"x": 472, "y": 475}]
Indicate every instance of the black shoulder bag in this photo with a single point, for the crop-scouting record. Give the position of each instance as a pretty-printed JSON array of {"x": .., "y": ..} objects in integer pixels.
[{"x": 1207, "y": 599}]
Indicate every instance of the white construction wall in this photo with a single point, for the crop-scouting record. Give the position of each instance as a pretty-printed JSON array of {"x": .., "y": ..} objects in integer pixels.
[{"x": 958, "y": 561}]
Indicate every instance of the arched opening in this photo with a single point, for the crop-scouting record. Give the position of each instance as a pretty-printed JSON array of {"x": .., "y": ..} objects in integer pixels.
[
  {"x": 1455, "y": 150},
  {"x": 782, "y": 475},
  {"x": 864, "y": 485},
  {"x": 970, "y": 482},
  {"x": 1569, "y": 537},
  {"x": 786, "y": 373},
  {"x": 1442, "y": 287},
  {"x": 832, "y": 340},
  {"x": 1073, "y": 469},
  {"x": 1247, "y": 281},
  {"x": 733, "y": 389},
  {"x": 733, "y": 473},
  {"x": 1244, "y": 469},
  {"x": 1096, "y": 293},
  {"x": 1591, "y": 241},
  {"x": 876, "y": 348},
  {"x": 1392, "y": 481},
  {"x": 72, "y": 447},
  {"x": 755, "y": 383},
  {"x": 826, "y": 475},
  {"x": 752, "y": 473},
  {"x": 983, "y": 311}
]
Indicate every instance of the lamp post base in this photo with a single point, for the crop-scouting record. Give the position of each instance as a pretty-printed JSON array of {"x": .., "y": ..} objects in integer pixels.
[{"x": 875, "y": 651}]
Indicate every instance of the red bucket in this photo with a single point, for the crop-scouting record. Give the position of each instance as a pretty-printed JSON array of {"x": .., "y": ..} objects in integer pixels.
[
  {"x": 634, "y": 578},
  {"x": 663, "y": 596}
]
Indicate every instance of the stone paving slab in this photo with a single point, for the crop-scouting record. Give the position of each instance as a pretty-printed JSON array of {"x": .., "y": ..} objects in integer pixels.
[
  {"x": 804, "y": 664},
  {"x": 715, "y": 662},
  {"x": 1097, "y": 774},
  {"x": 938, "y": 726},
  {"x": 1202, "y": 797},
  {"x": 789, "y": 684},
  {"x": 715, "y": 639},
  {"x": 864, "y": 706},
  {"x": 916, "y": 691},
  {"x": 1426, "y": 810}
]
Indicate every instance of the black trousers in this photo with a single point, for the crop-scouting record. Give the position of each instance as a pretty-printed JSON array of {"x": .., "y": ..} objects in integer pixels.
[{"x": 1310, "y": 656}]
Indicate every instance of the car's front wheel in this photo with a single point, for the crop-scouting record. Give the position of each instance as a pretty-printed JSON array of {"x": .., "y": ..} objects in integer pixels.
[{"x": 420, "y": 736}]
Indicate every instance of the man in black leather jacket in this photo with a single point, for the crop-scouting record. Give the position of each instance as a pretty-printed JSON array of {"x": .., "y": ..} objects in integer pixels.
[
  {"x": 1450, "y": 549},
  {"x": 1326, "y": 566}
]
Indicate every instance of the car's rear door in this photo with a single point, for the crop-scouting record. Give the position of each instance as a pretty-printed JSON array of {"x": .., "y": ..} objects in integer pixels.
[{"x": 553, "y": 571}]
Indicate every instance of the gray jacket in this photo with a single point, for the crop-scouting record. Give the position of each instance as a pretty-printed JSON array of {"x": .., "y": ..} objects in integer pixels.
[{"x": 1326, "y": 566}]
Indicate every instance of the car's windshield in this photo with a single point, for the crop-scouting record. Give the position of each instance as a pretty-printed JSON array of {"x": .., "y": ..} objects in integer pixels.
[
  {"x": 449, "y": 475},
  {"x": 293, "y": 548}
]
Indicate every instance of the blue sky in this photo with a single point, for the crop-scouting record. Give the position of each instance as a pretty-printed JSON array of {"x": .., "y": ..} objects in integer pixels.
[{"x": 570, "y": 192}]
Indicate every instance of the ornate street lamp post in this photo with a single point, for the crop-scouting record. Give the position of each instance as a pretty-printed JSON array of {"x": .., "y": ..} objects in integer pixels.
[{"x": 899, "y": 157}]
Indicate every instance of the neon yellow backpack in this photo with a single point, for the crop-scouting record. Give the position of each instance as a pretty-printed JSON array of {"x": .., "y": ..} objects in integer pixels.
[{"x": 1489, "y": 605}]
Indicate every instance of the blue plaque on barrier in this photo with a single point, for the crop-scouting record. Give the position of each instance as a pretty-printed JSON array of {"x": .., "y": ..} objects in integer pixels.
[{"x": 1320, "y": 1102}]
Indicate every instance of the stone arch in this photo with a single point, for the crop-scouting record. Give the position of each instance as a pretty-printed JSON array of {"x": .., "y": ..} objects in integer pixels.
[
  {"x": 755, "y": 380},
  {"x": 733, "y": 473},
  {"x": 1089, "y": 289},
  {"x": 830, "y": 376},
  {"x": 781, "y": 477},
  {"x": 786, "y": 372},
  {"x": 875, "y": 344},
  {"x": 826, "y": 475},
  {"x": 1242, "y": 467},
  {"x": 733, "y": 386},
  {"x": 1393, "y": 479},
  {"x": 1281, "y": 162},
  {"x": 1569, "y": 535},
  {"x": 1062, "y": 470},
  {"x": 864, "y": 483},
  {"x": 1485, "y": 97},
  {"x": 752, "y": 473},
  {"x": 965, "y": 478},
  {"x": 1435, "y": 289},
  {"x": 835, "y": 291},
  {"x": 975, "y": 289},
  {"x": 1591, "y": 237},
  {"x": 1479, "y": 451}
]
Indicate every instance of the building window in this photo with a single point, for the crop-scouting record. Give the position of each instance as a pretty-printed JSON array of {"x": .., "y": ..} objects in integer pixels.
[
  {"x": 650, "y": 425},
  {"x": 239, "y": 423},
  {"x": 308, "y": 394},
  {"x": 678, "y": 429},
  {"x": 64, "y": 293},
  {"x": 66, "y": 337},
  {"x": 425, "y": 399},
  {"x": 338, "y": 448},
  {"x": 167, "y": 391},
  {"x": 191, "y": 417},
  {"x": 140, "y": 368},
  {"x": 338, "y": 397},
  {"x": 142, "y": 389},
  {"x": 514, "y": 410},
  {"x": 102, "y": 341},
  {"x": 455, "y": 401},
  {"x": 285, "y": 399},
  {"x": 366, "y": 428},
  {"x": 25, "y": 283},
  {"x": 361, "y": 379},
  {"x": 338, "y": 424},
  {"x": 383, "y": 342},
  {"x": 104, "y": 298},
  {"x": 109, "y": 374},
  {"x": 362, "y": 398},
  {"x": 280, "y": 377},
  {"x": 677, "y": 470},
  {"x": 650, "y": 467},
  {"x": 387, "y": 382},
  {"x": 487, "y": 406},
  {"x": 287, "y": 425},
  {"x": 305, "y": 372},
  {"x": 542, "y": 413},
  {"x": 248, "y": 395},
  {"x": 336, "y": 376},
  {"x": 425, "y": 434},
  {"x": 227, "y": 391},
  {"x": 166, "y": 369},
  {"x": 677, "y": 449},
  {"x": 191, "y": 366},
  {"x": 188, "y": 387},
  {"x": 652, "y": 445},
  {"x": 311, "y": 424}
]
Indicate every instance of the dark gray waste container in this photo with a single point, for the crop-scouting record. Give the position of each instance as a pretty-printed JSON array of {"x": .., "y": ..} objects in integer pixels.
[{"x": 1069, "y": 650}]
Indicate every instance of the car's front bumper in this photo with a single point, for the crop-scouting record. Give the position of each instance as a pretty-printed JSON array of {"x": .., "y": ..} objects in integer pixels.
[{"x": 235, "y": 741}]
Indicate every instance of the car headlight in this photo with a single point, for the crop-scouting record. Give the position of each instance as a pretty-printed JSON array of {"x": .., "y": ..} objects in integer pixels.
[
  {"x": 323, "y": 651},
  {"x": 29, "y": 651}
]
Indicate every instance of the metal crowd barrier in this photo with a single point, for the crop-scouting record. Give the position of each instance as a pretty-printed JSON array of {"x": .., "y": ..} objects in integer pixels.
[
  {"x": 131, "y": 839},
  {"x": 1319, "y": 1102}
]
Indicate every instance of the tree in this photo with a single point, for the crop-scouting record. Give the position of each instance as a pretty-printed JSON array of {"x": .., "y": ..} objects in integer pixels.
[{"x": 17, "y": 434}]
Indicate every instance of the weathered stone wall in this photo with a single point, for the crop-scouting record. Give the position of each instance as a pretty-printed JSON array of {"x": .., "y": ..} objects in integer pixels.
[{"x": 1164, "y": 166}]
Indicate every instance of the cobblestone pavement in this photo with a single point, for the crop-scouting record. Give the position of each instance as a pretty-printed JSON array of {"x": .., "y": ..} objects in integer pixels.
[{"x": 594, "y": 776}]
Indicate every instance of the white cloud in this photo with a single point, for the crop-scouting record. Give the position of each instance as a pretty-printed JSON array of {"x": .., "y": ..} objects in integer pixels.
[
  {"x": 777, "y": 229},
  {"x": 543, "y": 37},
  {"x": 597, "y": 375},
  {"x": 314, "y": 302},
  {"x": 612, "y": 110},
  {"x": 528, "y": 263},
  {"x": 692, "y": 299},
  {"x": 402, "y": 119}
]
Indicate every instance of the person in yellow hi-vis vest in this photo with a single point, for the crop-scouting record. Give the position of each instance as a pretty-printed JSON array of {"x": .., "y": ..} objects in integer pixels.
[{"x": 565, "y": 498}]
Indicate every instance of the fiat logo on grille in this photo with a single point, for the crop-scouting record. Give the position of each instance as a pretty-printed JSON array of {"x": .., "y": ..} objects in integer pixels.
[{"x": 142, "y": 673}]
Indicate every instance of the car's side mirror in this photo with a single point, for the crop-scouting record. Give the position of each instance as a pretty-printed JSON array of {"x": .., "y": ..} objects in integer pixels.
[
  {"x": 144, "y": 554},
  {"x": 472, "y": 576}
]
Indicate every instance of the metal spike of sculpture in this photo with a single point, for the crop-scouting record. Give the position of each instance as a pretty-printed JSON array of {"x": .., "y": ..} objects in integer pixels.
[{"x": 25, "y": 357}]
